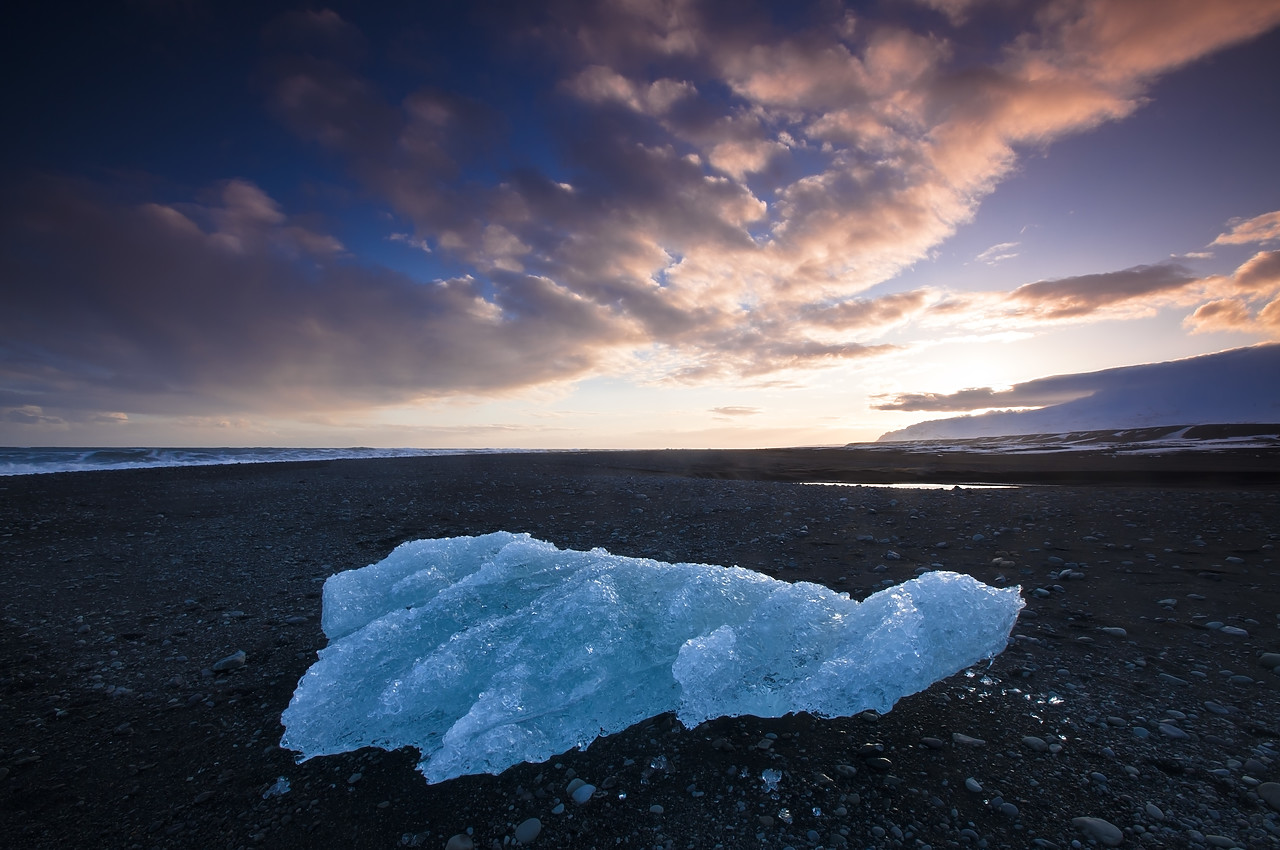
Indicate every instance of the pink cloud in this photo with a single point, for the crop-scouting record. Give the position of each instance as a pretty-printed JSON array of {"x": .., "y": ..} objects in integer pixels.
[
  {"x": 1262, "y": 228},
  {"x": 1223, "y": 314},
  {"x": 1125, "y": 41},
  {"x": 873, "y": 315},
  {"x": 1080, "y": 296},
  {"x": 1259, "y": 274}
]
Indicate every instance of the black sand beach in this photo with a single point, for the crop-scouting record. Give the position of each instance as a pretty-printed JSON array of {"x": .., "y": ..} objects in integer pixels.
[{"x": 121, "y": 589}]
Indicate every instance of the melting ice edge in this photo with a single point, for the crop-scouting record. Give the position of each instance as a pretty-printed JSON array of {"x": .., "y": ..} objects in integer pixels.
[{"x": 483, "y": 652}]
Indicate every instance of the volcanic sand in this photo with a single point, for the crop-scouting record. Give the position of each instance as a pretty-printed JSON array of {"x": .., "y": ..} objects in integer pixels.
[{"x": 121, "y": 589}]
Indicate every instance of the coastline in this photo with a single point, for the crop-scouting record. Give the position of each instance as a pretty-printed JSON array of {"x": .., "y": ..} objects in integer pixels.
[{"x": 174, "y": 568}]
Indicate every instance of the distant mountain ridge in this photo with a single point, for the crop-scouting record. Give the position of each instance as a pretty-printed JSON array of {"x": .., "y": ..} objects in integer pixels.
[
  {"x": 1160, "y": 440},
  {"x": 1231, "y": 387}
]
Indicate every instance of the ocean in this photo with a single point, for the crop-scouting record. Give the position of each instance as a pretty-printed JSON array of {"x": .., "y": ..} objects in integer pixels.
[{"x": 31, "y": 461}]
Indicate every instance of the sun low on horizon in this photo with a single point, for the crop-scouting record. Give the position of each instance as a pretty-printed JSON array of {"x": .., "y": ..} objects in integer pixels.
[{"x": 623, "y": 224}]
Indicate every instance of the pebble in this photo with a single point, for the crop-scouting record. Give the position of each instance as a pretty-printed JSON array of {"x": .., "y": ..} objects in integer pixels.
[
  {"x": 966, "y": 740},
  {"x": 973, "y": 785},
  {"x": 1037, "y": 744},
  {"x": 234, "y": 661},
  {"x": 1173, "y": 732},
  {"x": 1154, "y": 812},
  {"x": 1233, "y": 630},
  {"x": 656, "y": 809},
  {"x": 460, "y": 842},
  {"x": 1114, "y": 631},
  {"x": 1270, "y": 791},
  {"x": 583, "y": 793},
  {"x": 1104, "y": 832},
  {"x": 528, "y": 830},
  {"x": 1270, "y": 660}
]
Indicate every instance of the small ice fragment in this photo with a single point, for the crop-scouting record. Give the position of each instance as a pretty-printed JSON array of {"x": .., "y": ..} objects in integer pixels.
[
  {"x": 770, "y": 778},
  {"x": 280, "y": 788}
]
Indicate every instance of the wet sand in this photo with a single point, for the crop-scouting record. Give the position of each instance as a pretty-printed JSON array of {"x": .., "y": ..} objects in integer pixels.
[{"x": 122, "y": 589}]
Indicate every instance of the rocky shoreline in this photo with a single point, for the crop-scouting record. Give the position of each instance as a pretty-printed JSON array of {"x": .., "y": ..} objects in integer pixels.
[{"x": 1137, "y": 703}]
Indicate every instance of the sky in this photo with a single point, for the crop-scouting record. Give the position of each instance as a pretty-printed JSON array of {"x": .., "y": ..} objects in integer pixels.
[{"x": 637, "y": 223}]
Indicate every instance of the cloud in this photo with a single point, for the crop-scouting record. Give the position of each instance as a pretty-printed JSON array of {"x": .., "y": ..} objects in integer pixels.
[
  {"x": 736, "y": 411},
  {"x": 1134, "y": 39},
  {"x": 957, "y": 11},
  {"x": 1260, "y": 274},
  {"x": 1235, "y": 301},
  {"x": 1262, "y": 228},
  {"x": 1075, "y": 297},
  {"x": 1251, "y": 304},
  {"x": 36, "y": 416},
  {"x": 29, "y": 414},
  {"x": 869, "y": 315},
  {"x": 141, "y": 308},
  {"x": 1036, "y": 393},
  {"x": 249, "y": 220},
  {"x": 412, "y": 241},
  {"x": 599, "y": 84},
  {"x": 998, "y": 253},
  {"x": 1223, "y": 314}
]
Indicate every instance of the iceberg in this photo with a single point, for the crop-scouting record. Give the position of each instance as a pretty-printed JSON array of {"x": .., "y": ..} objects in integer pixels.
[{"x": 483, "y": 652}]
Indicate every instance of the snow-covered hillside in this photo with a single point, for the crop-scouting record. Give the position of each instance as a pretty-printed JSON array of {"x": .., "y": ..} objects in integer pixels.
[{"x": 1237, "y": 386}]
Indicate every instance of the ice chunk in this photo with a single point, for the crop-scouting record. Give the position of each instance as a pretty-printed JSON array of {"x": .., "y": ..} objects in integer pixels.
[
  {"x": 482, "y": 652},
  {"x": 277, "y": 790}
]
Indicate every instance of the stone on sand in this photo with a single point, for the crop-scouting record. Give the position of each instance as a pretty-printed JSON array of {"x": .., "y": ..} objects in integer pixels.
[{"x": 1104, "y": 832}]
